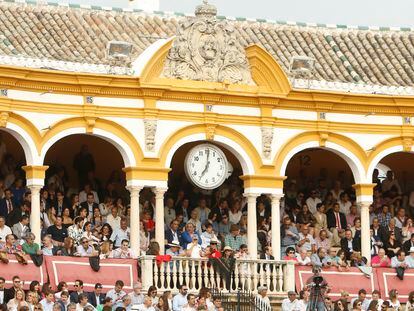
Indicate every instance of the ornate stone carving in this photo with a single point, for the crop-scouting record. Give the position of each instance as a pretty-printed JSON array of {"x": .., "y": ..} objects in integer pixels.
[
  {"x": 150, "y": 131},
  {"x": 323, "y": 137},
  {"x": 4, "y": 117},
  {"x": 407, "y": 144},
  {"x": 206, "y": 49},
  {"x": 210, "y": 131},
  {"x": 267, "y": 139},
  {"x": 90, "y": 124}
]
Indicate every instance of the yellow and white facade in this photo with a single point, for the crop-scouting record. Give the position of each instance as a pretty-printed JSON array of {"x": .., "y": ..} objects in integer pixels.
[{"x": 40, "y": 107}]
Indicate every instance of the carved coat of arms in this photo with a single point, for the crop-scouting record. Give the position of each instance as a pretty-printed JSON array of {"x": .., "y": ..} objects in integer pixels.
[{"x": 206, "y": 49}]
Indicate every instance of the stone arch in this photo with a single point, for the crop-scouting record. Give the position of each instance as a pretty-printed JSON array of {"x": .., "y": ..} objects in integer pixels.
[
  {"x": 110, "y": 131},
  {"x": 385, "y": 148},
  {"x": 344, "y": 147},
  {"x": 232, "y": 140}
]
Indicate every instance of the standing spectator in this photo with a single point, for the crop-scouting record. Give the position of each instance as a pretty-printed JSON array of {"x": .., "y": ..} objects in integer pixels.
[
  {"x": 83, "y": 163},
  {"x": 336, "y": 224},
  {"x": 389, "y": 183},
  {"x": 7, "y": 206},
  {"x": 384, "y": 216}
]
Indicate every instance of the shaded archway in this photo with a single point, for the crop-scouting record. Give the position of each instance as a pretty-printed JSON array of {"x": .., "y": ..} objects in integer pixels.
[
  {"x": 107, "y": 167},
  {"x": 12, "y": 158}
]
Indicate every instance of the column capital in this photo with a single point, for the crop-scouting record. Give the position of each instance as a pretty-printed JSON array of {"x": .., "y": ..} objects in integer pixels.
[
  {"x": 134, "y": 189},
  {"x": 33, "y": 187},
  {"x": 159, "y": 192},
  {"x": 364, "y": 189},
  {"x": 275, "y": 196},
  {"x": 35, "y": 171},
  {"x": 251, "y": 195}
]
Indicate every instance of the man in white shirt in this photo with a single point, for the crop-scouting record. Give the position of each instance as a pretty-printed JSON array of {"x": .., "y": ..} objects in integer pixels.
[
  {"x": 194, "y": 249},
  {"x": 124, "y": 251},
  {"x": 137, "y": 298},
  {"x": 180, "y": 299},
  {"x": 4, "y": 230},
  {"x": 117, "y": 293},
  {"x": 191, "y": 303},
  {"x": 303, "y": 258},
  {"x": 312, "y": 201},
  {"x": 121, "y": 233},
  {"x": 146, "y": 306},
  {"x": 306, "y": 240},
  {"x": 291, "y": 303},
  {"x": 86, "y": 250},
  {"x": 344, "y": 203},
  {"x": 113, "y": 219},
  {"x": 48, "y": 302}
]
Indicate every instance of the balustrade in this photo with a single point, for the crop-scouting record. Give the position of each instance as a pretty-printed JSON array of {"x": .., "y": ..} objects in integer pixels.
[{"x": 248, "y": 274}]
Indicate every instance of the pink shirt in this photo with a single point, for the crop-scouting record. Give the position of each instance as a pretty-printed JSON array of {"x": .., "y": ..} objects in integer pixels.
[{"x": 383, "y": 264}]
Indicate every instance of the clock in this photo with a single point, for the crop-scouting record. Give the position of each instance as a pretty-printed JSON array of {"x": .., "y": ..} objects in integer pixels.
[{"x": 206, "y": 166}]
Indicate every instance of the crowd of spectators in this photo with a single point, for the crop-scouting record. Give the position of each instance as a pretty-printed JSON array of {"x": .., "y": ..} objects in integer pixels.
[{"x": 43, "y": 298}]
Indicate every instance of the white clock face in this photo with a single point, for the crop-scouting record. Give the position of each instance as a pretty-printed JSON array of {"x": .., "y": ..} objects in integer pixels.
[{"x": 206, "y": 166}]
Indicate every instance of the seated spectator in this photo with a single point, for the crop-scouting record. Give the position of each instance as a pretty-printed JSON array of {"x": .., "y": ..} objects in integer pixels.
[
  {"x": 407, "y": 230},
  {"x": 191, "y": 303},
  {"x": 85, "y": 250},
  {"x": 68, "y": 248},
  {"x": 306, "y": 239},
  {"x": 305, "y": 217},
  {"x": 384, "y": 216},
  {"x": 136, "y": 295},
  {"x": 116, "y": 294},
  {"x": 74, "y": 296},
  {"x": 320, "y": 218},
  {"x": 234, "y": 240},
  {"x": 152, "y": 292},
  {"x": 350, "y": 244},
  {"x": 21, "y": 228},
  {"x": 66, "y": 217},
  {"x": 320, "y": 258},
  {"x": 146, "y": 305},
  {"x": 291, "y": 303},
  {"x": 223, "y": 227},
  {"x": 48, "y": 302},
  {"x": 113, "y": 219},
  {"x": 409, "y": 260},
  {"x": 106, "y": 232},
  {"x": 106, "y": 306},
  {"x": 76, "y": 230},
  {"x": 336, "y": 224},
  {"x": 394, "y": 303},
  {"x": 64, "y": 300},
  {"x": 290, "y": 254},
  {"x": 172, "y": 233},
  {"x": 88, "y": 234},
  {"x": 357, "y": 260},
  {"x": 341, "y": 261},
  {"x": 381, "y": 260},
  {"x": 353, "y": 213},
  {"x": 57, "y": 232},
  {"x": 174, "y": 249},
  {"x": 392, "y": 245},
  {"x": 48, "y": 248},
  {"x": 207, "y": 235},
  {"x": 30, "y": 247},
  {"x": 180, "y": 300},
  {"x": 289, "y": 234},
  {"x": 408, "y": 244},
  {"x": 262, "y": 299},
  {"x": 83, "y": 302},
  {"x": 17, "y": 302},
  {"x": 121, "y": 233},
  {"x": 194, "y": 220},
  {"x": 194, "y": 249},
  {"x": 398, "y": 262},
  {"x": 303, "y": 258},
  {"x": 4, "y": 230},
  {"x": 124, "y": 251},
  {"x": 322, "y": 240},
  {"x": 106, "y": 250}
]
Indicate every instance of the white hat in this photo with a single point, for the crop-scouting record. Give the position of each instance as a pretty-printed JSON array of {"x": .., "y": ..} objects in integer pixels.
[
  {"x": 411, "y": 250},
  {"x": 174, "y": 244}
]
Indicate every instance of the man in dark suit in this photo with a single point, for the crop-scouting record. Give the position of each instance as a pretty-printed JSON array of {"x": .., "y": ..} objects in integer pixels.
[
  {"x": 408, "y": 244},
  {"x": 96, "y": 297},
  {"x": 89, "y": 204},
  {"x": 172, "y": 233},
  {"x": 349, "y": 244},
  {"x": 266, "y": 255},
  {"x": 391, "y": 228},
  {"x": 7, "y": 206},
  {"x": 10, "y": 292},
  {"x": 293, "y": 214},
  {"x": 262, "y": 211},
  {"x": 61, "y": 203},
  {"x": 78, "y": 290},
  {"x": 2, "y": 291},
  {"x": 336, "y": 223}
]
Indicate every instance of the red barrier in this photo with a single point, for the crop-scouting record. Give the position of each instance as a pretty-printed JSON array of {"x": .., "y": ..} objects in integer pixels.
[
  {"x": 350, "y": 281},
  {"x": 69, "y": 269},
  {"x": 387, "y": 280},
  {"x": 26, "y": 273}
]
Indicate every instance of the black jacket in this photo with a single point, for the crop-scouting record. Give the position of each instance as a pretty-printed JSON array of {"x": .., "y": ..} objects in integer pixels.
[
  {"x": 356, "y": 247},
  {"x": 92, "y": 299}
]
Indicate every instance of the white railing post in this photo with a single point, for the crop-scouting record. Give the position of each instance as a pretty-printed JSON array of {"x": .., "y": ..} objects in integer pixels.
[
  {"x": 147, "y": 273},
  {"x": 289, "y": 282}
]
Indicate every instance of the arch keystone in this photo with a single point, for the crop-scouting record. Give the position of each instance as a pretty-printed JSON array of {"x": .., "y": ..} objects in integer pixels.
[{"x": 4, "y": 117}]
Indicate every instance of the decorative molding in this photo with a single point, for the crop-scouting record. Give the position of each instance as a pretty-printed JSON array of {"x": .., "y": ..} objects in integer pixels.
[
  {"x": 210, "y": 131},
  {"x": 4, "y": 117},
  {"x": 3, "y": 92},
  {"x": 323, "y": 137},
  {"x": 90, "y": 124},
  {"x": 89, "y": 99},
  {"x": 150, "y": 126},
  {"x": 267, "y": 139},
  {"x": 407, "y": 144},
  {"x": 206, "y": 49}
]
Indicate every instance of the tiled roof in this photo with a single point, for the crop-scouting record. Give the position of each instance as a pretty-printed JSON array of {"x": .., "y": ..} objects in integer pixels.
[{"x": 79, "y": 34}]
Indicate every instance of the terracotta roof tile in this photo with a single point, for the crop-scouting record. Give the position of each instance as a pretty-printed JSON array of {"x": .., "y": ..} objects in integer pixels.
[{"x": 341, "y": 54}]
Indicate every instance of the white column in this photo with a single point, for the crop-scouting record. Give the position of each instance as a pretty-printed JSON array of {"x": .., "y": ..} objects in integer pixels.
[
  {"x": 276, "y": 247},
  {"x": 365, "y": 235},
  {"x": 35, "y": 225},
  {"x": 251, "y": 224},
  {"x": 159, "y": 218},
  {"x": 135, "y": 221}
]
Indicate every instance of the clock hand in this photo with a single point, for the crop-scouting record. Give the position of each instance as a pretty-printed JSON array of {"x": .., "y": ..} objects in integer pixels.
[{"x": 207, "y": 165}]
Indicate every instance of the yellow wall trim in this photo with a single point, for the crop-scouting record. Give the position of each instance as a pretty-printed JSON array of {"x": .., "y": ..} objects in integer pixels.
[
  {"x": 263, "y": 181},
  {"x": 146, "y": 173},
  {"x": 364, "y": 189},
  {"x": 35, "y": 172}
]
